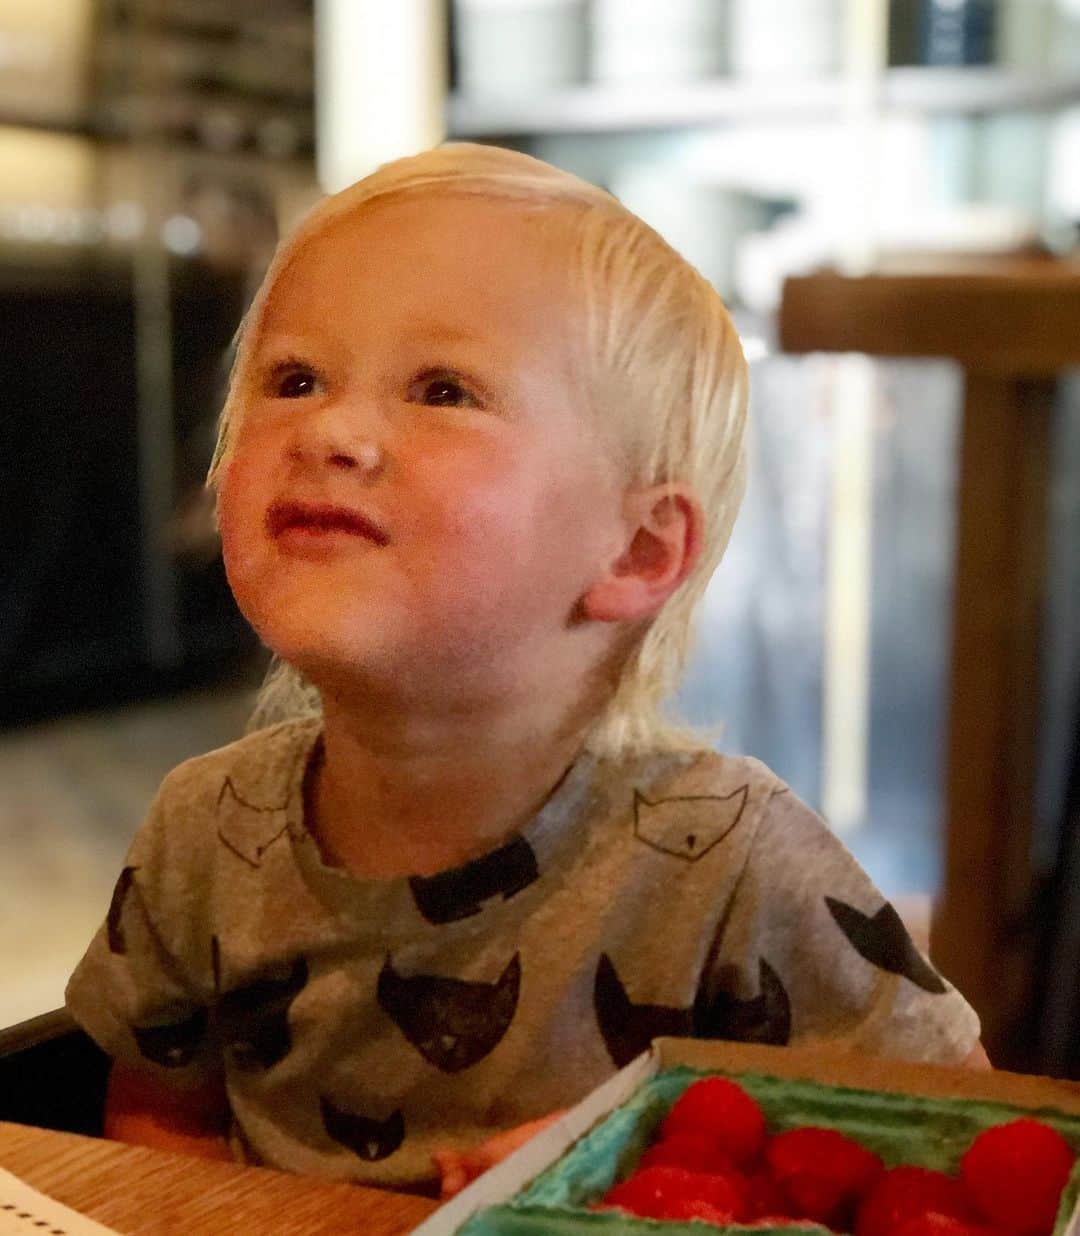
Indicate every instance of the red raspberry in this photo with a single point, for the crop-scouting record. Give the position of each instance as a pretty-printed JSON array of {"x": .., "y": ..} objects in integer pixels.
[
  {"x": 696, "y": 1154},
  {"x": 933, "y": 1223},
  {"x": 652, "y": 1192},
  {"x": 764, "y": 1200},
  {"x": 1014, "y": 1173},
  {"x": 821, "y": 1172},
  {"x": 693, "y": 1209},
  {"x": 719, "y": 1109},
  {"x": 907, "y": 1193}
]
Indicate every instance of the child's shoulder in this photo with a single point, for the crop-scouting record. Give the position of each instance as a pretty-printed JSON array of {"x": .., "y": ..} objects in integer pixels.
[
  {"x": 692, "y": 792},
  {"x": 263, "y": 770},
  {"x": 700, "y": 771},
  {"x": 248, "y": 786}
]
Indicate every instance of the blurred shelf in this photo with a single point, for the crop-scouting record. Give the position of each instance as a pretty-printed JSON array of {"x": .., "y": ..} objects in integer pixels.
[
  {"x": 673, "y": 105},
  {"x": 75, "y": 126},
  {"x": 978, "y": 90},
  {"x": 215, "y": 19},
  {"x": 181, "y": 150},
  {"x": 604, "y": 109},
  {"x": 106, "y": 269}
]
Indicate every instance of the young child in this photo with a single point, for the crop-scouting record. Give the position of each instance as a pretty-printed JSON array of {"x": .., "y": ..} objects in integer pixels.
[{"x": 481, "y": 452}]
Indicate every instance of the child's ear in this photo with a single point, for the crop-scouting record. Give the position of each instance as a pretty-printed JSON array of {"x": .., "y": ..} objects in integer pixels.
[{"x": 665, "y": 529}]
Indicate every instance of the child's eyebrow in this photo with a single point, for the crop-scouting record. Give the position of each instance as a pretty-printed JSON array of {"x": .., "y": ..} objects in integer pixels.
[
  {"x": 424, "y": 330},
  {"x": 288, "y": 344},
  {"x": 443, "y": 332}
]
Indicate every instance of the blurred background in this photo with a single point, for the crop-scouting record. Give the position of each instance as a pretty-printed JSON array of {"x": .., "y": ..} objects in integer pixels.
[{"x": 151, "y": 153}]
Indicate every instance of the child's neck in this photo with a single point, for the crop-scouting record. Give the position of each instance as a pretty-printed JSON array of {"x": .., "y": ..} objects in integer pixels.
[{"x": 427, "y": 802}]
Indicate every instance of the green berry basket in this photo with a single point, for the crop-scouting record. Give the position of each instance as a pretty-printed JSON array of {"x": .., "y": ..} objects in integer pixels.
[{"x": 925, "y": 1116}]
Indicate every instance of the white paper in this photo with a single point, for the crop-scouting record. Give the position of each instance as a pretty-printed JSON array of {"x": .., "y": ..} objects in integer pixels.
[{"x": 25, "y": 1211}]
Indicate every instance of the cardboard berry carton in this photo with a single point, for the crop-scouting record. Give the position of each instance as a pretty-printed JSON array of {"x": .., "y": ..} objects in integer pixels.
[{"x": 924, "y": 1115}]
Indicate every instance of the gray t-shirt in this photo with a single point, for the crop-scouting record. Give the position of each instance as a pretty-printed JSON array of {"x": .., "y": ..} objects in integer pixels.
[{"x": 360, "y": 1024}]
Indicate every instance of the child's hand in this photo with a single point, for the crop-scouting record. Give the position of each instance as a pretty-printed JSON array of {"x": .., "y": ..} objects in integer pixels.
[
  {"x": 457, "y": 1168},
  {"x": 141, "y": 1110}
]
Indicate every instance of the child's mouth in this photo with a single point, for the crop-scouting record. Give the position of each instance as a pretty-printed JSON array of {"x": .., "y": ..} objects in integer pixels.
[{"x": 320, "y": 519}]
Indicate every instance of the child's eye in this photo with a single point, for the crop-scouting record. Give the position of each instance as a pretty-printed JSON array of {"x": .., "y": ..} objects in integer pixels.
[
  {"x": 293, "y": 382},
  {"x": 441, "y": 390}
]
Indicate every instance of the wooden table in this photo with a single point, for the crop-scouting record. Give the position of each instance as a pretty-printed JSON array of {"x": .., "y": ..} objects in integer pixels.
[
  {"x": 142, "y": 1192},
  {"x": 1012, "y": 325}
]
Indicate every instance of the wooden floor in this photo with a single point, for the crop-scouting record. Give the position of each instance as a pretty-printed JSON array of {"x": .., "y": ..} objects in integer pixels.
[{"x": 72, "y": 793}]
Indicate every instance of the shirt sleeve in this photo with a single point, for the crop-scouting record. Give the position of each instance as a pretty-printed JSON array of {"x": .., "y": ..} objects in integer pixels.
[
  {"x": 131, "y": 993},
  {"x": 810, "y": 952}
]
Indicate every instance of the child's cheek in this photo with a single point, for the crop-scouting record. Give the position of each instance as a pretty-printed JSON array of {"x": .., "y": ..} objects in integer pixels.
[
  {"x": 228, "y": 503},
  {"x": 239, "y": 519},
  {"x": 511, "y": 527},
  {"x": 485, "y": 504}
]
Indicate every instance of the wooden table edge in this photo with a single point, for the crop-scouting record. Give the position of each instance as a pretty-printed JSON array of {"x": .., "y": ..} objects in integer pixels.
[{"x": 140, "y": 1191}]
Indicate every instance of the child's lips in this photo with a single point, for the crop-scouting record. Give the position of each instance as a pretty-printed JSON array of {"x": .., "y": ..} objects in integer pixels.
[{"x": 320, "y": 520}]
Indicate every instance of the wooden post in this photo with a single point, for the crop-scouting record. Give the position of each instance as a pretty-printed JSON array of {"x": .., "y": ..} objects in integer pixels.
[
  {"x": 1012, "y": 325},
  {"x": 991, "y": 768}
]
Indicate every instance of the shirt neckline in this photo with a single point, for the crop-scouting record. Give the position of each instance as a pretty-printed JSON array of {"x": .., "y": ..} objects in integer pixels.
[{"x": 543, "y": 832}]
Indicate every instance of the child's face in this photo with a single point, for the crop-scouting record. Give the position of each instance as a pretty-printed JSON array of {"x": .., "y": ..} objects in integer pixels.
[{"x": 417, "y": 367}]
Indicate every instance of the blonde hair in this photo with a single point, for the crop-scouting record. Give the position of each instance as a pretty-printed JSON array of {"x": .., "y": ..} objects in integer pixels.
[{"x": 663, "y": 365}]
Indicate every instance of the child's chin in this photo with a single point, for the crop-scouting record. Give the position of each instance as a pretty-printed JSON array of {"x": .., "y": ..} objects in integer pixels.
[{"x": 344, "y": 671}]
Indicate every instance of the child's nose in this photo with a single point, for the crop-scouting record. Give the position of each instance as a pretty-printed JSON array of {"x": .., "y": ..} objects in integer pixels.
[{"x": 329, "y": 444}]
